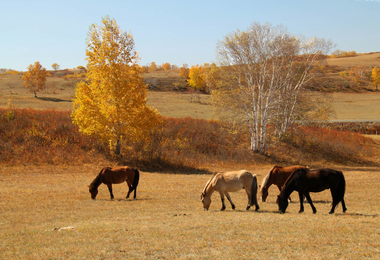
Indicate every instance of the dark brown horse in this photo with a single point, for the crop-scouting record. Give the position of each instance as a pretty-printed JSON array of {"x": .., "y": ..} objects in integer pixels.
[
  {"x": 305, "y": 181},
  {"x": 110, "y": 175},
  {"x": 277, "y": 176}
]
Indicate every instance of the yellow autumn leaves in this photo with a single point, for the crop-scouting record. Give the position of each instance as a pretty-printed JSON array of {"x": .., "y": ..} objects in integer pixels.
[{"x": 111, "y": 103}]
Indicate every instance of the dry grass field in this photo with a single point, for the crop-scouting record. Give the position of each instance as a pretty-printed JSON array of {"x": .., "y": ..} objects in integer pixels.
[
  {"x": 367, "y": 59},
  {"x": 58, "y": 95},
  {"x": 47, "y": 213}
]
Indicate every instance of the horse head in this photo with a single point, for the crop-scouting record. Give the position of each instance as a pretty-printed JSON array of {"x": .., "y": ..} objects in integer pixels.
[
  {"x": 93, "y": 191},
  {"x": 282, "y": 204},
  {"x": 264, "y": 194},
  {"x": 206, "y": 201}
]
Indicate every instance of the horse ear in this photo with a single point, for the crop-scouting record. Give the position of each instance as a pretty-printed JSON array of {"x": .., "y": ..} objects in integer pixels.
[{"x": 88, "y": 186}]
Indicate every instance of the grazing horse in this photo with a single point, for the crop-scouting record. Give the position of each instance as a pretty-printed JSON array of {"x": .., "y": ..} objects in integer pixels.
[
  {"x": 231, "y": 182},
  {"x": 305, "y": 181},
  {"x": 277, "y": 176},
  {"x": 110, "y": 175}
]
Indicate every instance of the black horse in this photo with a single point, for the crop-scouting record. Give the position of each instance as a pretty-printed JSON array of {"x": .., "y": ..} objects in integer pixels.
[{"x": 305, "y": 181}]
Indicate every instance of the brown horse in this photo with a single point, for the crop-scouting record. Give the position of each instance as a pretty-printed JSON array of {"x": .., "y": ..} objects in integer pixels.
[
  {"x": 110, "y": 175},
  {"x": 230, "y": 182},
  {"x": 277, "y": 176},
  {"x": 305, "y": 181}
]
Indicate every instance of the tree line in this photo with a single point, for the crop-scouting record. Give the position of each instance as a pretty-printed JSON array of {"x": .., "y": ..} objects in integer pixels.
[{"x": 258, "y": 84}]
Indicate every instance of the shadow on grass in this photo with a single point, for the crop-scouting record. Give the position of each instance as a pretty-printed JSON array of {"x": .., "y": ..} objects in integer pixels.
[
  {"x": 159, "y": 165},
  {"x": 53, "y": 99},
  {"x": 357, "y": 215}
]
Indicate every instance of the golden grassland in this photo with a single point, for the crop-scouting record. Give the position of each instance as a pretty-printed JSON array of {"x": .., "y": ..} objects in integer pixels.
[
  {"x": 47, "y": 213},
  {"x": 357, "y": 106},
  {"x": 366, "y": 59}
]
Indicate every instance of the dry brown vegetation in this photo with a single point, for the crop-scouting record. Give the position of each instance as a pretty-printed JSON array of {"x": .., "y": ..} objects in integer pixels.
[{"x": 47, "y": 213}]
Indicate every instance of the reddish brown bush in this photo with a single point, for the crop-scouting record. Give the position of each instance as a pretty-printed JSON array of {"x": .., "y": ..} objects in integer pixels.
[
  {"x": 43, "y": 137},
  {"x": 329, "y": 144},
  {"x": 34, "y": 137}
]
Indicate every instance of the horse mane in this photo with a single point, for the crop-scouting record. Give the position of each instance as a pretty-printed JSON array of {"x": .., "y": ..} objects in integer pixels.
[
  {"x": 98, "y": 180},
  {"x": 291, "y": 176},
  {"x": 208, "y": 182},
  {"x": 265, "y": 180}
]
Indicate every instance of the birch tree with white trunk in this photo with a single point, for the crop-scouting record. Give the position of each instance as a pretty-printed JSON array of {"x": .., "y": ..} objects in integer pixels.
[{"x": 262, "y": 71}]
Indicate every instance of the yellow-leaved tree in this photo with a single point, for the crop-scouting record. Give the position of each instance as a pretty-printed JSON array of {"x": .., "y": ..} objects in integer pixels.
[
  {"x": 375, "y": 77},
  {"x": 197, "y": 78},
  {"x": 111, "y": 103},
  {"x": 35, "y": 78}
]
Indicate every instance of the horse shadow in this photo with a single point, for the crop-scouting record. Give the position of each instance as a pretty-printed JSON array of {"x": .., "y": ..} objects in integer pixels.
[
  {"x": 357, "y": 215},
  {"x": 124, "y": 199},
  {"x": 53, "y": 99}
]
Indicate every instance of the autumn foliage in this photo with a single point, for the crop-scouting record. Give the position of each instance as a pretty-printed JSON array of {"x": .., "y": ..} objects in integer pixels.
[
  {"x": 35, "y": 78},
  {"x": 329, "y": 144},
  {"x": 35, "y": 137},
  {"x": 111, "y": 103}
]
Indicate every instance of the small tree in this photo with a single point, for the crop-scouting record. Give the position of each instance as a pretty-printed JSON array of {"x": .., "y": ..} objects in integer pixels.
[
  {"x": 152, "y": 67},
  {"x": 55, "y": 66},
  {"x": 197, "y": 78},
  {"x": 166, "y": 66},
  {"x": 184, "y": 71},
  {"x": 357, "y": 74},
  {"x": 35, "y": 78},
  {"x": 112, "y": 102},
  {"x": 375, "y": 77}
]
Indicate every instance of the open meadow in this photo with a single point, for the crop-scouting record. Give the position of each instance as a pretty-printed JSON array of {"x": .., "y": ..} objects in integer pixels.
[{"x": 47, "y": 213}]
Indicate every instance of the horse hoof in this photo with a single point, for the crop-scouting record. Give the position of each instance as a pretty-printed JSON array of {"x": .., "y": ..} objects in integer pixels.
[{"x": 301, "y": 211}]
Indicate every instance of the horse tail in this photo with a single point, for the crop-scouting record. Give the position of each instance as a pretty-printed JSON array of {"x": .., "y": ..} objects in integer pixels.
[
  {"x": 254, "y": 192},
  {"x": 341, "y": 187},
  {"x": 136, "y": 179}
]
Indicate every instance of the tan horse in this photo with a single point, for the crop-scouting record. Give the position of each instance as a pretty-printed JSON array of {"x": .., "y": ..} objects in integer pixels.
[
  {"x": 277, "y": 176},
  {"x": 110, "y": 175},
  {"x": 231, "y": 182}
]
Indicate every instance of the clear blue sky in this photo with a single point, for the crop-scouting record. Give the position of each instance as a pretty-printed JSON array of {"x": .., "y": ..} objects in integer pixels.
[{"x": 173, "y": 31}]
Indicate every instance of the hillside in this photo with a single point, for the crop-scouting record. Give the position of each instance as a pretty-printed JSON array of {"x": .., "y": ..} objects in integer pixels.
[
  {"x": 171, "y": 95},
  {"x": 367, "y": 59},
  {"x": 345, "y": 74}
]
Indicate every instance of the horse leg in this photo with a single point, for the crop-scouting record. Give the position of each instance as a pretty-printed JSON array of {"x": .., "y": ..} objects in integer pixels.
[
  {"x": 279, "y": 188},
  {"x": 336, "y": 202},
  {"x": 310, "y": 202},
  {"x": 110, "y": 189},
  {"x": 300, "y": 194},
  {"x": 222, "y": 199},
  {"x": 344, "y": 206},
  {"x": 129, "y": 191},
  {"x": 230, "y": 200},
  {"x": 249, "y": 199},
  {"x": 134, "y": 194}
]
